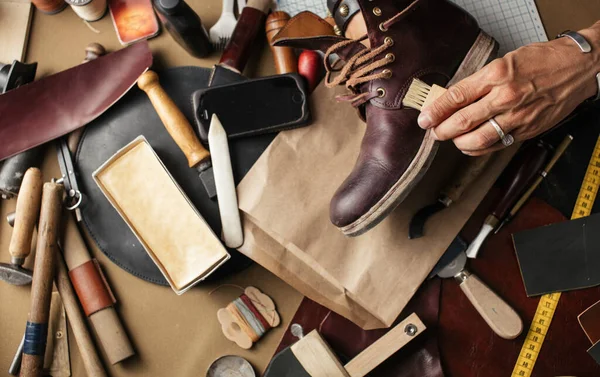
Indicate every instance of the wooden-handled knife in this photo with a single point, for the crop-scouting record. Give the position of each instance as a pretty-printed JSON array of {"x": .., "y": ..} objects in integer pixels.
[{"x": 178, "y": 127}]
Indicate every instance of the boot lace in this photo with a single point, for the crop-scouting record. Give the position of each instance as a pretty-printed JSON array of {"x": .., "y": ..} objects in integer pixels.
[{"x": 358, "y": 69}]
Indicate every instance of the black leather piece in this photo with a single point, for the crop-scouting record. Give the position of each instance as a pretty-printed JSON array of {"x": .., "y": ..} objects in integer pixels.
[
  {"x": 560, "y": 257},
  {"x": 594, "y": 352},
  {"x": 133, "y": 116},
  {"x": 285, "y": 364}
]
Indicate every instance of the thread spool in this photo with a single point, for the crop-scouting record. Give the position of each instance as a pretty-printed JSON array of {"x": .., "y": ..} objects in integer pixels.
[
  {"x": 49, "y": 6},
  {"x": 248, "y": 318},
  {"x": 88, "y": 10}
]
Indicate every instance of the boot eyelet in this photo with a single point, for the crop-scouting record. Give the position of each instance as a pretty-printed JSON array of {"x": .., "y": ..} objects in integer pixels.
[
  {"x": 388, "y": 41},
  {"x": 344, "y": 10},
  {"x": 377, "y": 11},
  {"x": 382, "y": 27},
  {"x": 390, "y": 57},
  {"x": 381, "y": 92},
  {"x": 387, "y": 73}
]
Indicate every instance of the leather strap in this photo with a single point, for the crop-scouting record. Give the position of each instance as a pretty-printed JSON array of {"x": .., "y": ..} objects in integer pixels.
[
  {"x": 343, "y": 11},
  {"x": 91, "y": 287}
]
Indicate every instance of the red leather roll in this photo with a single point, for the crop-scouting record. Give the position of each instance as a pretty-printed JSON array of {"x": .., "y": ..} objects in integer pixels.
[{"x": 91, "y": 287}]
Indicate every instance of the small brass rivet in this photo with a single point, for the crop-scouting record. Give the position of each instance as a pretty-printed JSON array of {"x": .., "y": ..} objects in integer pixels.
[
  {"x": 344, "y": 10},
  {"x": 388, "y": 41},
  {"x": 59, "y": 334},
  {"x": 382, "y": 27},
  {"x": 377, "y": 11},
  {"x": 381, "y": 92},
  {"x": 387, "y": 73},
  {"x": 391, "y": 57}
]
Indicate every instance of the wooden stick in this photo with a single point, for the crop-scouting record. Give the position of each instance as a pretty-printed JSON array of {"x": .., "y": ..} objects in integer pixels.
[
  {"x": 91, "y": 361},
  {"x": 41, "y": 288},
  {"x": 385, "y": 346},
  {"x": 106, "y": 323},
  {"x": 26, "y": 214}
]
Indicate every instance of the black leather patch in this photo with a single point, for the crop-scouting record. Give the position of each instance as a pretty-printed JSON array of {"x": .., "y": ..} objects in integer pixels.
[
  {"x": 285, "y": 364},
  {"x": 595, "y": 352},
  {"x": 560, "y": 257},
  {"x": 132, "y": 116}
]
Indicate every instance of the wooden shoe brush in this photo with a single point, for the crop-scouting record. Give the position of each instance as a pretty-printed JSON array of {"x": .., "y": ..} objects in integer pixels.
[{"x": 420, "y": 94}]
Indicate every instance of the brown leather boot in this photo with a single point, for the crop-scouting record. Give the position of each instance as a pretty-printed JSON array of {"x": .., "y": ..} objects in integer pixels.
[{"x": 433, "y": 40}]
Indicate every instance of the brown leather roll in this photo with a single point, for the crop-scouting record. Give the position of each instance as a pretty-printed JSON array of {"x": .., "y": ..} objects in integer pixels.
[{"x": 91, "y": 287}]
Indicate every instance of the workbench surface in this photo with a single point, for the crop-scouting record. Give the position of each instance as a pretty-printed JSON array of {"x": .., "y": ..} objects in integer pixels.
[{"x": 179, "y": 335}]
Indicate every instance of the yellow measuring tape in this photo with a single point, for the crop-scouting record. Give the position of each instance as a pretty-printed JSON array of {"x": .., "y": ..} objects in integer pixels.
[{"x": 547, "y": 305}]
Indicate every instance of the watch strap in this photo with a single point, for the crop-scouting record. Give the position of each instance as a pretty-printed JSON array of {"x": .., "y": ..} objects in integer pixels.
[{"x": 579, "y": 39}]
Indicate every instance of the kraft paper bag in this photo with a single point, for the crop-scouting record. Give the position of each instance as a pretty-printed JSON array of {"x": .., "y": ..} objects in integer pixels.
[{"x": 285, "y": 202}]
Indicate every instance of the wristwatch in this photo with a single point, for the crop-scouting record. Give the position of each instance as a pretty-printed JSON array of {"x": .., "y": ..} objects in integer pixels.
[{"x": 585, "y": 47}]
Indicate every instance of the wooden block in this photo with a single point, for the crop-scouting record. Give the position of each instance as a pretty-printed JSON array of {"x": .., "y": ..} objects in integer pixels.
[
  {"x": 384, "y": 347},
  {"x": 316, "y": 357},
  {"x": 15, "y": 18}
]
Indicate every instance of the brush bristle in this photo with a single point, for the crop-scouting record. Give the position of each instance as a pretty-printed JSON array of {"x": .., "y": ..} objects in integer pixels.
[{"x": 416, "y": 95}]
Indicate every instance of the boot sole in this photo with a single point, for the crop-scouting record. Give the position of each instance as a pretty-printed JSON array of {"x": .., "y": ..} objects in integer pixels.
[{"x": 483, "y": 50}]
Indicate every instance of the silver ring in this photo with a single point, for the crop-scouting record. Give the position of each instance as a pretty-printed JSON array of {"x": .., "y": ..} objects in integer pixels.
[{"x": 507, "y": 140}]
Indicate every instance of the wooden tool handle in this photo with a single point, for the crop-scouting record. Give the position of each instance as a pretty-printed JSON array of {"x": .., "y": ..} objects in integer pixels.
[
  {"x": 251, "y": 21},
  {"x": 284, "y": 57},
  {"x": 468, "y": 172},
  {"x": 562, "y": 147},
  {"x": 74, "y": 248},
  {"x": 27, "y": 211},
  {"x": 92, "y": 52},
  {"x": 41, "y": 287},
  {"x": 523, "y": 170},
  {"x": 501, "y": 318},
  {"x": 385, "y": 346},
  {"x": 173, "y": 119},
  {"x": 91, "y": 361}
]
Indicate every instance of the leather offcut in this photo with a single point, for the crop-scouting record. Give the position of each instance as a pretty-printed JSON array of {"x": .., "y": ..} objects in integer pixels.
[{"x": 91, "y": 287}]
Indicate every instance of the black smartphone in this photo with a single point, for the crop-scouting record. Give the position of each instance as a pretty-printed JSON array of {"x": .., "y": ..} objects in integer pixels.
[{"x": 254, "y": 107}]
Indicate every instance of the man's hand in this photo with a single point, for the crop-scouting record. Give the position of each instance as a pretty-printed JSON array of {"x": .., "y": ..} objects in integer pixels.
[{"x": 528, "y": 91}]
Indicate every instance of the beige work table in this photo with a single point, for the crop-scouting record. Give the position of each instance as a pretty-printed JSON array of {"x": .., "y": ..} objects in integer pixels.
[{"x": 174, "y": 335}]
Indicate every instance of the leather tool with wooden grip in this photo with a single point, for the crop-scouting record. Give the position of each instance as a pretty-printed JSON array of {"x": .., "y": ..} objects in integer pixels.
[
  {"x": 249, "y": 23},
  {"x": 91, "y": 360},
  {"x": 562, "y": 147},
  {"x": 27, "y": 211},
  {"x": 43, "y": 277},
  {"x": 179, "y": 128},
  {"x": 501, "y": 318},
  {"x": 284, "y": 57},
  {"x": 312, "y": 357},
  {"x": 467, "y": 173},
  {"x": 95, "y": 295},
  {"x": 522, "y": 172}
]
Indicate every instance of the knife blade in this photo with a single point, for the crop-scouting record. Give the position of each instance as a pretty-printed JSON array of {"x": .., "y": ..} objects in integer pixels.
[
  {"x": 58, "y": 104},
  {"x": 225, "y": 185}
]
